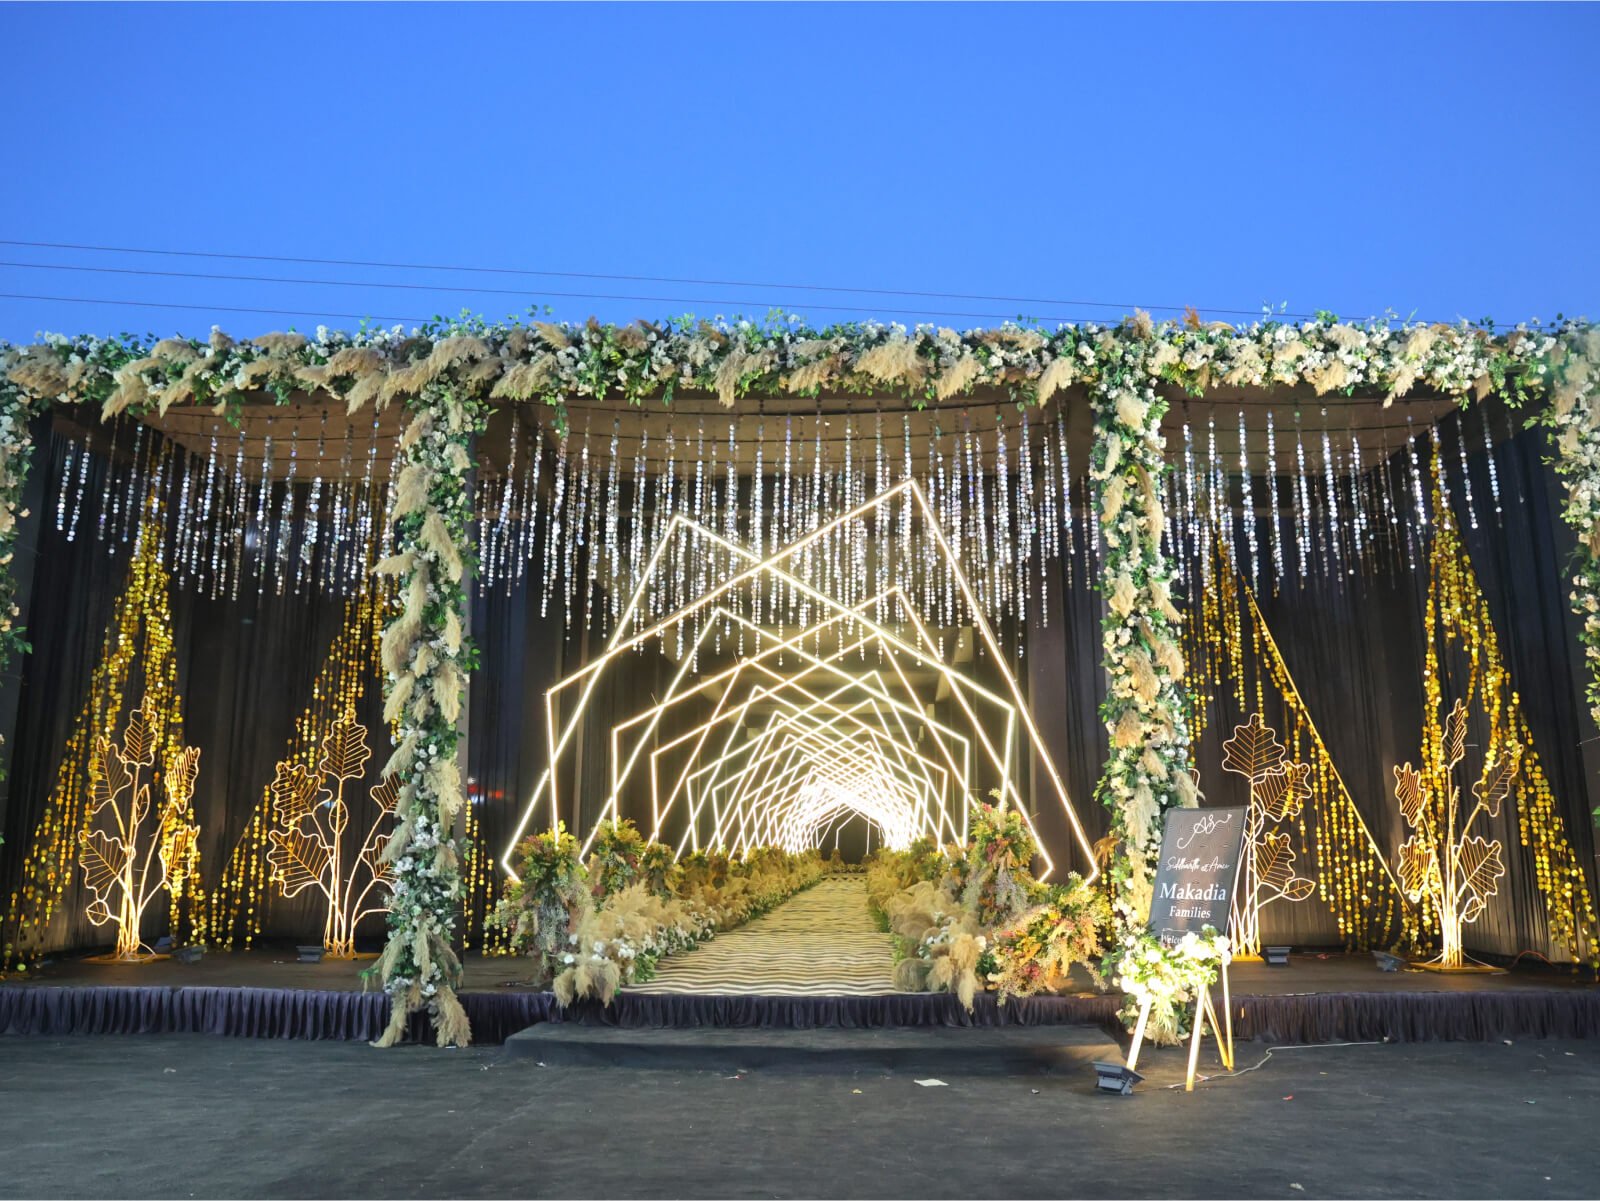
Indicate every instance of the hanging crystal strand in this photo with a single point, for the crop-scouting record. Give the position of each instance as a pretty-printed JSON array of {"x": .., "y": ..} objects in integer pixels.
[
  {"x": 1199, "y": 537},
  {"x": 1488, "y": 455},
  {"x": 1002, "y": 532},
  {"x": 69, "y": 458},
  {"x": 758, "y": 491},
  {"x": 205, "y": 536},
  {"x": 636, "y": 534},
  {"x": 130, "y": 513},
  {"x": 940, "y": 503},
  {"x": 1414, "y": 531},
  {"x": 236, "y": 505},
  {"x": 881, "y": 529},
  {"x": 1358, "y": 526},
  {"x": 1066, "y": 537},
  {"x": 1220, "y": 495},
  {"x": 1249, "y": 505},
  {"x": 1301, "y": 504},
  {"x": 1381, "y": 476},
  {"x": 311, "y": 523},
  {"x": 1331, "y": 497},
  {"x": 184, "y": 525},
  {"x": 594, "y": 531},
  {"x": 263, "y": 509},
  {"x": 1466, "y": 475},
  {"x": 553, "y": 539},
  {"x": 343, "y": 558},
  {"x": 1026, "y": 522},
  {"x": 903, "y": 565},
  {"x": 113, "y": 494},
  {"x": 495, "y": 527},
  {"x": 84, "y": 455},
  {"x": 1049, "y": 515},
  {"x": 612, "y": 575},
  {"x": 1443, "y": 473},
  {"x": 280, "y": 551},
  {"x": 529, "y": 505},
  {"x": 578, "y": 470}
]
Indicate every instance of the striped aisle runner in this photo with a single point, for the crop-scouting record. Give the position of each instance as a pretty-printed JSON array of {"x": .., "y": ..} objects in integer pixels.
[{"x": 821, "y": 942}]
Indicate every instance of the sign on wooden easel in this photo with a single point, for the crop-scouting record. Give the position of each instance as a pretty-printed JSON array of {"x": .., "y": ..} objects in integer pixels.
[{"x": 1195, "y": 880}]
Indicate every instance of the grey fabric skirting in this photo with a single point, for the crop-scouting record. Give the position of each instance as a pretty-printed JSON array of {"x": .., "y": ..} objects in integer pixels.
[{"x": 309, "y": 1014}]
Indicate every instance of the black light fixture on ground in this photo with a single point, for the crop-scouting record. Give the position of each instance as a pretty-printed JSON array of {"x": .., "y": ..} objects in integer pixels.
[
  {"x": 1115, "y": 1078},
  {"x": 1276, "y": 956},
  {"x": 1387, "y": 962}
]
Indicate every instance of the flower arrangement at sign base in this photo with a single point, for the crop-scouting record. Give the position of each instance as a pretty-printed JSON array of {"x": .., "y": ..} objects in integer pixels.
[{"x": 1169, "y": 976}]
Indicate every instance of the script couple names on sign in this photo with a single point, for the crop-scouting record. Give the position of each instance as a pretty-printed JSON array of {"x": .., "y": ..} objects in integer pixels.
[{"x": 1199, "y": 864}]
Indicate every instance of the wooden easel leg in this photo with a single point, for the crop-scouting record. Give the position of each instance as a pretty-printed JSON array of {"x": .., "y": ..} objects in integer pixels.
[
  {"x": 1199, "y": 1026},
  {"x": 1223, "y": 1053},
  {"x": 1227, "y": 1021},
  {"x": 1138, "y": 1034}
]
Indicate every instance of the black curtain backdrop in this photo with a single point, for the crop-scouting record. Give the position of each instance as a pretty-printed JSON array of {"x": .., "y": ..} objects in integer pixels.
[{"x": 1354, "y": 646}]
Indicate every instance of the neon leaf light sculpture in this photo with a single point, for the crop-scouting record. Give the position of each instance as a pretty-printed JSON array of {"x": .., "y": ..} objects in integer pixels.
[
  {"x": 127, "y": 858},
  {"x": 1278, "y": 791},
  {"x": 308, "y": 847},
  {"x": 1443, "y": 862}
]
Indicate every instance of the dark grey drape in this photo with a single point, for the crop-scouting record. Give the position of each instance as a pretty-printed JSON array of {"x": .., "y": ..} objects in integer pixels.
[{"x": 1354, "y": 647}]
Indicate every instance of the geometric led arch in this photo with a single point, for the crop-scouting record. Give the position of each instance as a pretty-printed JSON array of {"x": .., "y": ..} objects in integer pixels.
[{"x": 857, "y": 709}]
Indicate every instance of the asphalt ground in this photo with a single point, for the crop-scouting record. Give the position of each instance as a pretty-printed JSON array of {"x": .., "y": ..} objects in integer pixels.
[{"x": 197, "y": 1116}]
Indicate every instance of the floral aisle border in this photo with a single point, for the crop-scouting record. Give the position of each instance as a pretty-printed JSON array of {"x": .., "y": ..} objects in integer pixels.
[{"x": 448, "y": 372}]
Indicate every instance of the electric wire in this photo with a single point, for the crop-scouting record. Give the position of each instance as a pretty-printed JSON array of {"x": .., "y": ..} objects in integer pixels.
[
  {"x": 1262, "y": 1062},
  {"x": 653, "y": 279}
]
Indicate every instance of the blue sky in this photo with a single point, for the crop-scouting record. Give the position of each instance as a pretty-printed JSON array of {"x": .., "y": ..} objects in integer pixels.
[{"x": 1431, "y": 159}]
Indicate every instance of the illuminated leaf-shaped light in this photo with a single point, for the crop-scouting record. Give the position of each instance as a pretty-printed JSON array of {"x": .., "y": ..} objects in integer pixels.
[
  {"x": 297, "y": 860},
  {"x": 103, "y": 857},
  {"x": 1274, "y": 864},
  {"x": 344, "y": 750},
  {"x": 138, "y": 742},
  {"x": 110, "y": 775},
  {"x": 1480, "y": 868},
  {"x": 1412, "y": 794},
  {"x": 1253, "y": 750},
  {"x": 1419, "y": 866},
  {"x": 1283, "y": 793},
  {"x": 1499, "y": 775},
  {"x": 1455, "y": 734},
  {"x": 294, "y": 792}
]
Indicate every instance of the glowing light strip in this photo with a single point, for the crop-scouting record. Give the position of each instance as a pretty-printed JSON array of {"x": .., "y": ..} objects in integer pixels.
[{"x": 678, "y": 524}]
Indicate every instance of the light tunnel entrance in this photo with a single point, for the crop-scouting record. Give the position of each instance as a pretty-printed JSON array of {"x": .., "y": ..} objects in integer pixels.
[{"x": 774, "y": 702}]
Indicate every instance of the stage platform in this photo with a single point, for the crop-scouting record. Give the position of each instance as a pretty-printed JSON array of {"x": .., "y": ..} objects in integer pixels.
[{"x": 265, "y": 994}]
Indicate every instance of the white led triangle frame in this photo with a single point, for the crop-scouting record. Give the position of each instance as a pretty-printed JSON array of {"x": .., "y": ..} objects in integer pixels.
[{"x": 772, "y": 567}]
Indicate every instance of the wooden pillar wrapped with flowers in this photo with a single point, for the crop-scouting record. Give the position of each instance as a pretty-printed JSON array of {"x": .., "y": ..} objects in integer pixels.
[
  {"x": 426, "y": 658},
  {"x": 1146, "y": 707}
]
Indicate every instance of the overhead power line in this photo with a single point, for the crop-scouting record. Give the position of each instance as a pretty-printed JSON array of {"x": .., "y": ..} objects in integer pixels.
[
  {"x": 207, "y": 308},
  {"x": 517, "y": 292},
  {"x": 651, "y": 279}
]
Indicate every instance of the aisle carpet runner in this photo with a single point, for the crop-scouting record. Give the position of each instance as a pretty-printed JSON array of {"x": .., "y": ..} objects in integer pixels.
[{"x": 820, "y": 942}]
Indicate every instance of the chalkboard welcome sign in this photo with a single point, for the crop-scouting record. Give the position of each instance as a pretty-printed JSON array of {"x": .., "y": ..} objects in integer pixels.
[{"x": 1196, "y": 876}]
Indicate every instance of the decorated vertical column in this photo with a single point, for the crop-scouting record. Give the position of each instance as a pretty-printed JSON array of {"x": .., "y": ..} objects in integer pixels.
[
  {"x": 1146, "y": 707},
  {"x": 426, "y": 658},
  {"x": 1574, "y": 420}
]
